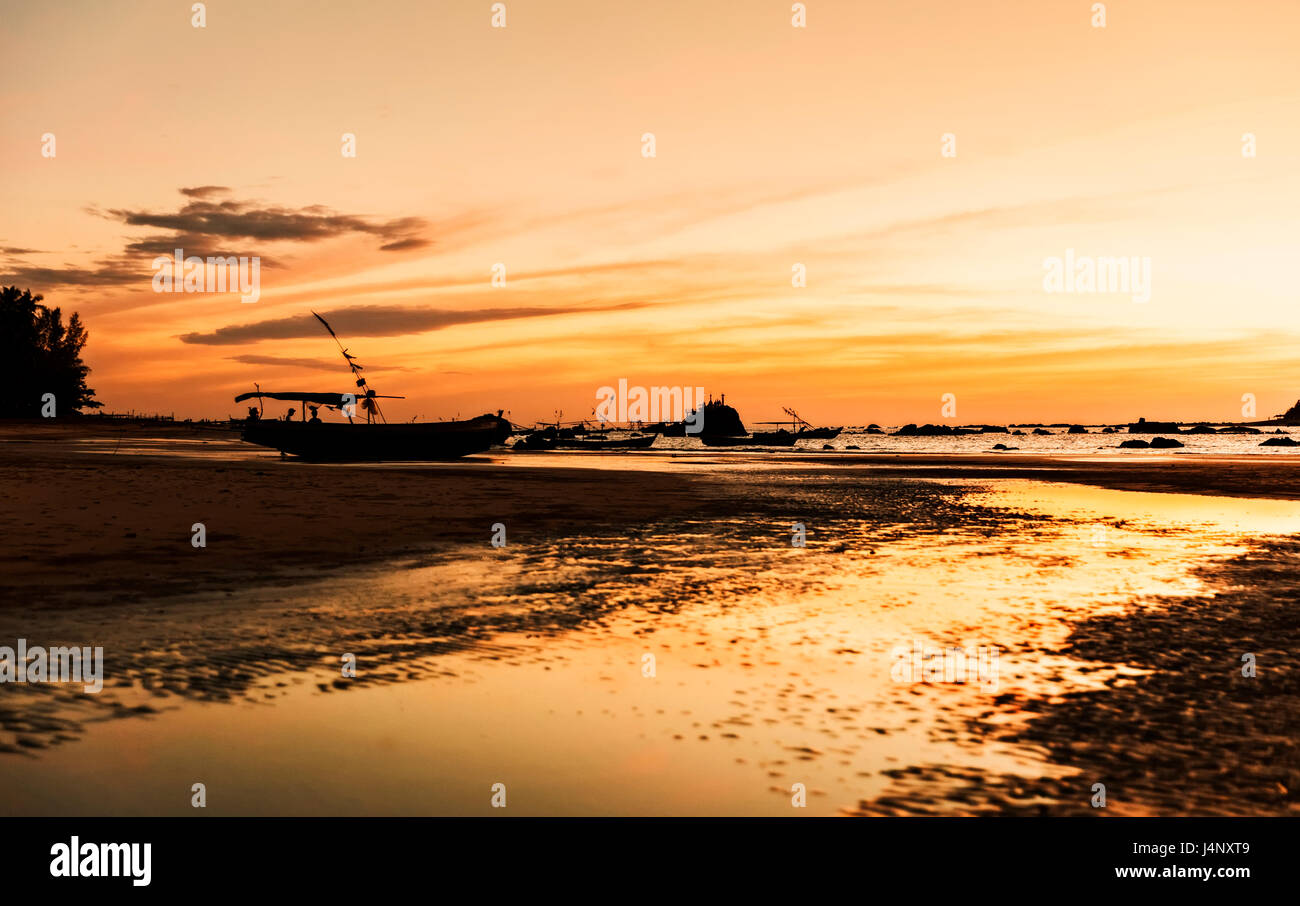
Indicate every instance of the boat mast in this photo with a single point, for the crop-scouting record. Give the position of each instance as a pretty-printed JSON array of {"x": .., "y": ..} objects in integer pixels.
[
  {"x": 368, "y": 396},
  {"x": 795, "y": 420}
]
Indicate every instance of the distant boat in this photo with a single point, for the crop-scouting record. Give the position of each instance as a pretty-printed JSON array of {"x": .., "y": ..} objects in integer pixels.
[
  {"x": 780, "y": 438},
  {"x": 801, "y": 429},
  {"x": 553, "y": 437},
  {"x": 639, "y": 442},
  {"x": 820, "y": 433},
  {"x": 1142, "y": 426},
  {"x": 536, "y": 442},
  {"x": 372, "y": 441}
]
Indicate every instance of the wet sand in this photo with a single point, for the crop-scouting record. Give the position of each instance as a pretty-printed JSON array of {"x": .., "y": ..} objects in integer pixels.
[
  {"x": 85, "y": 525},
  {"x": 1261, "y": 476},
  {"x": 93, "y": 527},
  {"x": 1121, "y": 618}
]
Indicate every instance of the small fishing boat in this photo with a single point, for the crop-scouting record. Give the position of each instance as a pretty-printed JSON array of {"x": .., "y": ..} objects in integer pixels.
[
  {"x": 805, "y": 430},
  {"x": 341, "y": 442},
  {"x": 555, "y": 437},
  {"x": 535, "y": 442},
  {"x": 780, "y": 438},
  {"x": 637, "y": 442},
  {"x": 375, "y": 440},
  {"x": 820, "y": 433}
]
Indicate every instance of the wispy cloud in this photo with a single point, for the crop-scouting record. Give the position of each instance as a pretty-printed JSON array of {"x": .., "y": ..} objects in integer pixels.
[
  {"x": 376, "y": 321},
  {"x": 278, "y": 361},
  {"x": 403, "y": 245}
]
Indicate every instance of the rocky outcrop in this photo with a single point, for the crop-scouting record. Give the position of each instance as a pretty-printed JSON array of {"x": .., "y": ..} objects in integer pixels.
[
  {"x": 1291, "y": 416},
  {"x": 720, "y": 420},
  {"x": 1158, "y": 443},
  {"x": 932, "y": 431}
]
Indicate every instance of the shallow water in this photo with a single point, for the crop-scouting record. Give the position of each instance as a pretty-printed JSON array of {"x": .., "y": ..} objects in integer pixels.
[{"x": 774, "y": 665}]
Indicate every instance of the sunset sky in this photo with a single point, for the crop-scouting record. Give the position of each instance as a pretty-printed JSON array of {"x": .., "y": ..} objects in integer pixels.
[{"x": 775, "y": 146}]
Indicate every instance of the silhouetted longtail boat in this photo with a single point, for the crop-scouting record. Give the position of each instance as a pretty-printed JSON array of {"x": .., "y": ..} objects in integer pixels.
[
  {"x": 554, "y": 438},
  {"x": 372, "y": 441},
  {"x": 801, "y": 427},
  {"x": 639, "y": 442},
  {"x": 780, "y": 438}
]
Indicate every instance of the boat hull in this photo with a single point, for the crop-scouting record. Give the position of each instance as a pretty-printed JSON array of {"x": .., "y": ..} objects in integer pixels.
[
  {"x": 820, "y": 433},
  {"x": 758, "y": 439},
  {"x": 626, "y": 443},
  {"x": 419, "y": 442}
]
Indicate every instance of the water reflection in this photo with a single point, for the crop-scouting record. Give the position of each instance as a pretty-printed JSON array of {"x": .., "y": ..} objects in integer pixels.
[{"x": 526, "y": 665}]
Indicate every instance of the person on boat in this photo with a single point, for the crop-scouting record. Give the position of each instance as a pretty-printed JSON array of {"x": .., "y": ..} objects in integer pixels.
[
  {"x": 252, "y": 414},
  {"x": 315, "y": 417},
  {"x": 289, "y": 415}
]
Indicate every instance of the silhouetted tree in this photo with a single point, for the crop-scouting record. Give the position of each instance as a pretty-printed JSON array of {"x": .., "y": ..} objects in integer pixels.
[{"x": 40, "y": 355}]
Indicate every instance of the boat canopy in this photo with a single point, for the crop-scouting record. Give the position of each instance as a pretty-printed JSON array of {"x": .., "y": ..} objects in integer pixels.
[{"x": 324, "y": 399}]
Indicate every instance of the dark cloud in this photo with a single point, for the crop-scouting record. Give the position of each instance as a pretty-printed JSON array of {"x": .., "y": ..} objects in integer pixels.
[
  {"x": 241, "y": 220},
  {"x": 205, "y": 191},
  {"x": 375, "y": 321},
  {"x": 210, "y": 226},
  {"x": 110, "y": 272}
]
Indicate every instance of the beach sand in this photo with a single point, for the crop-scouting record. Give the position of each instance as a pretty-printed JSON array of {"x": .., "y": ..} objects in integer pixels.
[
  {"x": 1121, "y": 595},
  {"x": 80, "y": 524}
]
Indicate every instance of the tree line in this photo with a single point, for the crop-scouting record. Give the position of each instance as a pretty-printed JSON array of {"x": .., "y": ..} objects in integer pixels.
[{"x": 42, "y": 358}]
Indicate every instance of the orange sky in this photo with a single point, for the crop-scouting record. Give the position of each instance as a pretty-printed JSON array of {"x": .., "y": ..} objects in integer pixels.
[{"x": 775, "y": 145}]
